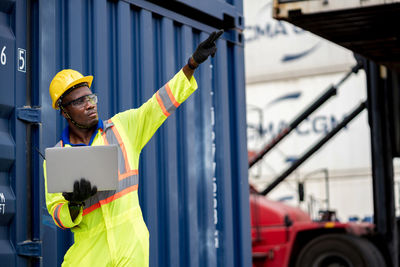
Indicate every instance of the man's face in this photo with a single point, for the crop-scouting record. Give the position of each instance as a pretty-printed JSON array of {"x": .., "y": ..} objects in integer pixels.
[{"x": 82, "y": 110}]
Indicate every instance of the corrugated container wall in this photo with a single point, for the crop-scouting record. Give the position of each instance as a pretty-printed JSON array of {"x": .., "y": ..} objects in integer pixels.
[{"x": 193, "y": 187}]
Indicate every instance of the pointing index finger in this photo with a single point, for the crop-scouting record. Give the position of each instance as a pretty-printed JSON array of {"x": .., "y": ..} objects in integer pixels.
[
  {"x": 217, "y": 35},
  {"x": 210, "y": 39},
  {"x": 213, "y": 37}
]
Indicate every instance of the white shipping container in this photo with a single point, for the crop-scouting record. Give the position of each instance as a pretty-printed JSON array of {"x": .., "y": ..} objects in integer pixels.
[
  {"x": 286, "y": 69},
  {"x": 346, "y": 156},
  {"x": 318, "y": 6},
  {"x": 278, "y": 50}
]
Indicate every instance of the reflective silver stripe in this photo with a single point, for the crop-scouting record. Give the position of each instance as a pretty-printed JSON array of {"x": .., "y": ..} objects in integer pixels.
[
  {"x": 112, "y": 140},
  {"x": 57, "y": 218},
  {"x": 131, "y": 179},
  {"x": 127, "y": 182},
  {"x": 169, "y": 106},
  {"x": 108, "y": 124},
  {"x": 122, "y": 185},
  {"x": 94, "y": 199}
]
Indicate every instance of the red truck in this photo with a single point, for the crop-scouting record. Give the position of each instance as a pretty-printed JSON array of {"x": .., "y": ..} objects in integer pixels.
[{"x": 286, "y": 236}]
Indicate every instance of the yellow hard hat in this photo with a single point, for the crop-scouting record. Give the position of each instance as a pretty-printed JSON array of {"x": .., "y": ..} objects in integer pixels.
[{"x": 63, "y": 81}]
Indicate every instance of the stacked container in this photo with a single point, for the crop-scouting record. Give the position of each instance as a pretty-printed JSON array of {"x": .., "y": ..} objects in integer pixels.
[{"x": 193, "y": 187}]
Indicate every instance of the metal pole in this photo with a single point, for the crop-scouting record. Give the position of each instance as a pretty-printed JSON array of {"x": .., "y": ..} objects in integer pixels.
[
  {"x": 379, "y": 97},
  {"x": 317, "y": 146},
  {"x": 309, "y": 110},
  {"x": 327, "y": 189}
]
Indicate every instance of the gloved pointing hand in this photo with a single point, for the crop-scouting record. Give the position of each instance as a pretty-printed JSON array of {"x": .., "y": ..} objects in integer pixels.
[
  {"x": 82, "y": 191},
  {"x": 207, "y": 48}
]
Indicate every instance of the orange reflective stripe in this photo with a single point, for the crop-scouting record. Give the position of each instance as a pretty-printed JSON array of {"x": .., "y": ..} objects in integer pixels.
[
  {"x": 128, "y": 181},
  {"x": 91, "y": 208},
  {"x": 56, "y": 216},
  {"x": 171, "y": 96},
  {"x": 122, "y": 146},
  {"x": 127, "y": 174},
  {"x": 164, "y": 110},
  {"x": 119, "y": 194},
  {"x": 104, "y": 138},
  {"x": 109, "y": 199}
]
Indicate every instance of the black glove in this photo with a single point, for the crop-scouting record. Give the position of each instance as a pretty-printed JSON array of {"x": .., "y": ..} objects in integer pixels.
[
  {"x": 82, "y": 191},
  {"x": 207, "y": 48}
]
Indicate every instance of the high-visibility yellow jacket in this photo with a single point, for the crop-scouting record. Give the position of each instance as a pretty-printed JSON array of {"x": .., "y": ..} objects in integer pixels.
[{"x": 109, "y": 230}]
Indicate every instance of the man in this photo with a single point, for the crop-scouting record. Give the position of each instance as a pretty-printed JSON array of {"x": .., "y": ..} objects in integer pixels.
[{"x": 108, "y": 226}]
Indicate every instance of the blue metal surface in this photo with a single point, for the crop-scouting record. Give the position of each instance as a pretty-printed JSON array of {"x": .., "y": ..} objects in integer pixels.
[
  {"x": 15, "y": 224},
  {"x": 28, "y": 114},
  {"x": 193, "y": 188},
  {"x": 218, "y": 9},
  {"x": 30, "y": 248}
]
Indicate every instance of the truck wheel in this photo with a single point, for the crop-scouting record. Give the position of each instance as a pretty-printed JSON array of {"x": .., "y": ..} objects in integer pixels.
[
  {"x": 339, "y": 250},
  {"x": 370, "y": 248}
]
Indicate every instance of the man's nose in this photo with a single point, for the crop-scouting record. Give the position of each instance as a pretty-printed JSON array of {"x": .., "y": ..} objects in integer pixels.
[{"x": 89, "y": 105}]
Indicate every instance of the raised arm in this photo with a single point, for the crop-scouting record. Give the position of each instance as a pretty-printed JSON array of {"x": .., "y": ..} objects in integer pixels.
[{"x": 143, "y": 122}]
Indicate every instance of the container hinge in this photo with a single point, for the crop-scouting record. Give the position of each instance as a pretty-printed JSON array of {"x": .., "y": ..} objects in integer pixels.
[
  {"x": 29, "y": 115},
  {"x": 30, "y": 248}
]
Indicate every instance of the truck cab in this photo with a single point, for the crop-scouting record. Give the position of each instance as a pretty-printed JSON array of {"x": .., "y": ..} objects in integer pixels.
[{"x": 287, "y": 236}]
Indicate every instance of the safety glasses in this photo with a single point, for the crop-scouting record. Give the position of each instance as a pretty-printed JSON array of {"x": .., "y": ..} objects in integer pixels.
[{"x": 81, "y": 101}]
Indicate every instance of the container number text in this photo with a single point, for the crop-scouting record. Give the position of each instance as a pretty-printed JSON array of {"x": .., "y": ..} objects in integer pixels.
[
  {"x": 2, "y": 203},
  {"x": 3, "y": 57},
  {"x": 21, "y": 60}
]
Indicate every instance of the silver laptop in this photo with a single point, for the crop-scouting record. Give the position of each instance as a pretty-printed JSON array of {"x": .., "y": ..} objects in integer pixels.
[{"x": 65, "y": 165}]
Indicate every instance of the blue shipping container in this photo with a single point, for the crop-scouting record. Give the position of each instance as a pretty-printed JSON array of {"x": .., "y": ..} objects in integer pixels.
[{"x": 193, "y": 188}]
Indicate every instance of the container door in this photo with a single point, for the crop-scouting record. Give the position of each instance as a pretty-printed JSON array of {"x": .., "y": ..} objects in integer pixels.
[
  {"x": 7, "y": 140},
  {"x": 18, "y": 245}
]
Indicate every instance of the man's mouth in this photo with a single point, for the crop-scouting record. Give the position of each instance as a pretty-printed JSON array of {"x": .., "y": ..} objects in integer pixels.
[{"x": 92, "y": 114}]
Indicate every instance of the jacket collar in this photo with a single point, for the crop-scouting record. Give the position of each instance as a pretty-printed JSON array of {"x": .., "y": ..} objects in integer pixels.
[{"x": 65, "y": 135}]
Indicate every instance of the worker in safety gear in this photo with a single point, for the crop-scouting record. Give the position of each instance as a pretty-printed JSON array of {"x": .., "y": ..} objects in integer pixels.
[{"x": 108, "y": 226}]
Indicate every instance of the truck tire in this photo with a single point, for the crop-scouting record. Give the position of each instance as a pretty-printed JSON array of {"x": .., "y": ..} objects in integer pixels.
[
  {"x": 339, "y": 250},
  {"x": 372, "y": 250}
]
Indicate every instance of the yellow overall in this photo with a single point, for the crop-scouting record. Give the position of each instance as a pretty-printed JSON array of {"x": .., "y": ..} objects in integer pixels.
[{"x": 109, "y": 230}]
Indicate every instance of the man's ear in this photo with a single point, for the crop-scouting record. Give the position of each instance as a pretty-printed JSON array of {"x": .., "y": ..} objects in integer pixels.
[{"x": 62, "y": 113}]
